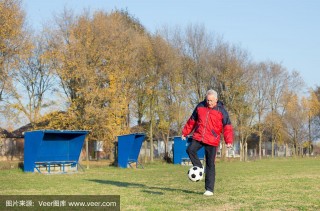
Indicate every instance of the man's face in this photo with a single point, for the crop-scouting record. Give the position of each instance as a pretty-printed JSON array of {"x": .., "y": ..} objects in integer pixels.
[{"x": 211, "y": 101}]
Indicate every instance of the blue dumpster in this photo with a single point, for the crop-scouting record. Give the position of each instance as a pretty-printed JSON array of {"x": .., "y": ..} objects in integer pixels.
[
  {"x": 48, "y": 149},
  {"x": 129, "y": 149},
  {"x": 180, "y": 155}
]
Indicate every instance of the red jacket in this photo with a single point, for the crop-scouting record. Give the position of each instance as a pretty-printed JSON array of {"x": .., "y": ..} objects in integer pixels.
[{"x": 208, "y": 123}]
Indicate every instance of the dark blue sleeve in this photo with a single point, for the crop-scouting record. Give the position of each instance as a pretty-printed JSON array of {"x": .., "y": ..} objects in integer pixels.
[
  {"x": 194, "y": 114},
  {"x": 226, "y": 119}
]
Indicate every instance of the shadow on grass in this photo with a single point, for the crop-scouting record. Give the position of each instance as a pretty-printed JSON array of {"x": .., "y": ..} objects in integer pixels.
[
  {"x": 146, "y": 188},
  {"x": 153, "y": 192}
]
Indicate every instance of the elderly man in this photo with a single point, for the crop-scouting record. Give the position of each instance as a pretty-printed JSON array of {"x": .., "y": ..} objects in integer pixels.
[{"x": 208, "y": 120}]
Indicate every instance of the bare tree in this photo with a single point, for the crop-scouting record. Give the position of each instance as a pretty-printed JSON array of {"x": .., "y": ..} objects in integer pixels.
[
  {"x": 260, "y": 86},
  {"x": 171, "y": 93},
  {"x": 33, "y": 80},
  {"x": 283, "y": 85},
  {"x": 197, "y": 49}
]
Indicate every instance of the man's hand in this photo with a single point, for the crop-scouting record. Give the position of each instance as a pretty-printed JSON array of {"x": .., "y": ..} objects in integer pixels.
[
  {"x": 183, "y": 137},
  {"x": 229, "y": 145}
]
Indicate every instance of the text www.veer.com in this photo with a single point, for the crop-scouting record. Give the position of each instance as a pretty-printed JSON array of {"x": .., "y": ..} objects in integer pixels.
[{"x": 92, "y": 204}]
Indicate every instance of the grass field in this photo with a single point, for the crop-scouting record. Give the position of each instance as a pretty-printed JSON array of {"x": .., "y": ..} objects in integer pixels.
[{"x": 273, "y": 184}]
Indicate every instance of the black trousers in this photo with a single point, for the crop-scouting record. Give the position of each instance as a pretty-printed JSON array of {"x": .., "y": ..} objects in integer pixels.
[{"x": 210, "y": 156}]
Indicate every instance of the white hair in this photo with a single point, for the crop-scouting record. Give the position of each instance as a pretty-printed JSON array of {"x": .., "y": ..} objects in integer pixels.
[{"x": 212, "y": 92}]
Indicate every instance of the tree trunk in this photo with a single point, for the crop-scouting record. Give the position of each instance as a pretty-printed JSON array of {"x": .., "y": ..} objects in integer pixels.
[
  {"x": 260, "y": 145},
  {"x": 145, "y": 151},
  {"x": 166, "y": 142},
  {"x": 309, "y": 130},
  {"x": 246, "y": 151},
  {"x": 241, "y": 151},
  {"x": 151, "y": 141},
  {"x": 272, "y": 148},
  {"x": 87, "y": 153},
  {"x": 223, "y": 151}
]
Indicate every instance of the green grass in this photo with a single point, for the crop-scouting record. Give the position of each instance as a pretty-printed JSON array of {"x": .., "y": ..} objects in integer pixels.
[{"x": 273, "y": 184}]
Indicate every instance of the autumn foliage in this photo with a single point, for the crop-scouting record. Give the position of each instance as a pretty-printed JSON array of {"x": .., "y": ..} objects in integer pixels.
[{"x": 104, "y": 72}]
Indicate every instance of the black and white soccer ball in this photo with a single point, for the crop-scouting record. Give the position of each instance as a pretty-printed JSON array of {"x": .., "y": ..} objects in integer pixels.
[{"x": 195, "y": 174}]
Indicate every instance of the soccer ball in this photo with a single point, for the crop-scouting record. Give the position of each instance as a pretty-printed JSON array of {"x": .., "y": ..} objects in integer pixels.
[{"x": 195, "y": 173}]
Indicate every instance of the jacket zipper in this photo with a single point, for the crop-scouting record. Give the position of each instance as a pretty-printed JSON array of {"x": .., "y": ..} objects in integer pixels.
[{"x": 205, "y": 126}]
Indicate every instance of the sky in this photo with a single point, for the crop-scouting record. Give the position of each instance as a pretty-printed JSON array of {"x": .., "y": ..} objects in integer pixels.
[{"x": 282, "y": 31}]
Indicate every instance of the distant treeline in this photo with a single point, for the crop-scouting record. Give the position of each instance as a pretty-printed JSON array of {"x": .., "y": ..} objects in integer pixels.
[{"x": 105, "y": 72}]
